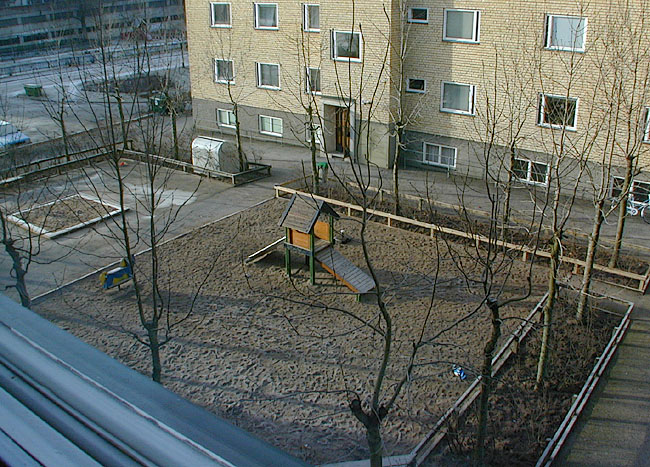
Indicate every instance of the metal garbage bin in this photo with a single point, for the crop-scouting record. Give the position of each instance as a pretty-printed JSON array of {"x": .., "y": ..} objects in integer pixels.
[
  {"x": 322, "y": 168},
  {"x": 33, "y": 90}
]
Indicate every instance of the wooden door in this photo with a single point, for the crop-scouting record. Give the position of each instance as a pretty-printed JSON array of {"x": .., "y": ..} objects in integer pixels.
[{"x": 343, "y": 130}]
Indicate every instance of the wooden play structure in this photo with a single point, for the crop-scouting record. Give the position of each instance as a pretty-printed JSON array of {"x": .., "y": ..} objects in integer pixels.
[
  {"x": 309, "y": 230},
  {"x": 117, "y": 276}
]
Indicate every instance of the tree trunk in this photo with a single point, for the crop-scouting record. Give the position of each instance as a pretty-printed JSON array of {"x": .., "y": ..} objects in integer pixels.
[
  {"x": 506, "y": 203},
  {"x": 154, "y": 346},
  {"x": 396, "y": 162},
  {"x": 240, "y": 150},
  {"x": 312, "y": 147},
  {"x": 547, "y": 313},
  {"x": 174, "y": 135},
  {"x": 17, "y": 266},
  {"x": 589, "y": 260},
  {"x": 373, "y": 435},
  {"x": 622, "y": 212},
  {"x": 486, "y": 380}
]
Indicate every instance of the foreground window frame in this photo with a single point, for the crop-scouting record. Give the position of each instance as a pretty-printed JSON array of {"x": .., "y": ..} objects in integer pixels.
[
  {"x": 226, "y": 118},
  {"x": 440, "y": 162},
  {"x": 224, "y": 78},
  {"x": 213, "y": 20},
  {"x": 306, "y": 17},
  {"x": 638, "y": 189},
  {"x": 260, "y": 84},
  {"x": 475, "y": 36},
  {"x": 471, "y": 102},
  {"x": 312, "y": 86},
  {"x": 531, "y": 173},
  {"x": 543, "y": 118},
  {"x": 551, "y": 42},
  {"x": 259, "y": 6},
  {"x": 274, "y": 123},
  {"x": 347, "y": 58}
]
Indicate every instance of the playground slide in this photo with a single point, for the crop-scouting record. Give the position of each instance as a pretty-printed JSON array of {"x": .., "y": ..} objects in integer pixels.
[{"x": 341, "y": 268}]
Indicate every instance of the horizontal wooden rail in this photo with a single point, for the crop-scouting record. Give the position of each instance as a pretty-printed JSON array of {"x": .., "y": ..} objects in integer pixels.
[{"x": 434, "y": 229}]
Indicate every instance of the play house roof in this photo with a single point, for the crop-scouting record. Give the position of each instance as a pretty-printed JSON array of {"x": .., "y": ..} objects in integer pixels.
[{"x": 302, "y": 213}]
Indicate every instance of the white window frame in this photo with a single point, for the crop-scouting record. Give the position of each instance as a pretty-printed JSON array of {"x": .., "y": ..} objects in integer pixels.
[
  {"x": 410, "y": 18},
  {"x": 549, "y": 28},
  {"x": 419, "y": 91},
  {"x": 319, "y": 134},
  {"x": 529, "y": 172},
  {"x": 228, "y": 113},
  {"x": 272, "y": 133},
  {"x": 220, "y": 25},
  {"x": 476, "y": 30},
  {"x": 440, "y": 147},
  {"x": 277, "y": 16},
  {"x": 542, "y": 105},
  {"x": 258, "y": 66},
  {"x": 308, "y": 80},
  {"x": 336, "y": 57},
  {"x": 632, "y": 190},
  {"x": 472, "y": 99},
  {"x": 216, "y": 75},
  {"x": 646, "y": 128},
  {"x": 305, "y": 17}
]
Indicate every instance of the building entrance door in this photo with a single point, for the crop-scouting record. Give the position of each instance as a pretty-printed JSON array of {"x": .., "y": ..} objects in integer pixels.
[{"x": 343, "y": 130}]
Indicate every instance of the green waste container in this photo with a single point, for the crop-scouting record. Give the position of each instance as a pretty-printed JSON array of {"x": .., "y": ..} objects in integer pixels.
[
  {"x": 158, "y": 103},
  {"x": 33, "y": 90},
  {"x": 322, "y": 171}
]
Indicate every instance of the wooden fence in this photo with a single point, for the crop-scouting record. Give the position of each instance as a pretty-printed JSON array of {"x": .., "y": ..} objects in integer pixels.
[{"x": 643, "y": 280}]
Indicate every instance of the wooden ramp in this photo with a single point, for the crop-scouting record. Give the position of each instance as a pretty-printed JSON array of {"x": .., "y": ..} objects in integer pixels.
[
  {"x": 341, "y": 268},
  {"x": 264, "y": 252}
]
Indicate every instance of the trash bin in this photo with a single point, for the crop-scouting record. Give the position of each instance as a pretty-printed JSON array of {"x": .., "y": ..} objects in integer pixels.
[
  {"x": 33, "y": 90},
  {"x": 322, "y": 168},
  {"x": 158, "y": 103}
]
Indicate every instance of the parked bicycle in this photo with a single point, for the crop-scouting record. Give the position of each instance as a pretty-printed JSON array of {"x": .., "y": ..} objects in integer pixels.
[{"x": 636, "y": 208}]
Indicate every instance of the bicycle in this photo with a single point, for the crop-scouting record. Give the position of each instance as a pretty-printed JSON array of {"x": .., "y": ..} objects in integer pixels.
[{"x": 636, "y": 208}]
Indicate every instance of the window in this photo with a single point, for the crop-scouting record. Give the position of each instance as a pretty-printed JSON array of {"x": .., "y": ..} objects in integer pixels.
[
  {"x": 558, "y": 111},
  {"x": 223, "y": 71},
  {"x": 529, "y": 171},
  {"x": 646, "y": 131},
  {"x": 311, "y": 19},
  {"x": 317, "y": 133},
  {"x": 346, "y": 46},
  {"x": 313, "y": 80},
  {"x": 266, "y": 16},
  {"x": 461, "y": 26},
  {"x": 270, "y": 125},
  {"x": 435, "y": 154},
  {"x": 458, "y": 98},
  {"x": 416, "y": 85},
  {"x": 268, "y": 75},
  {"x": 566, "y": 32},
  {"x": 418, "y": 15},
  {"x": 639, "y": 190},
  {"x": 220, "y": 15},
  {"x": 226, "y": 118}
]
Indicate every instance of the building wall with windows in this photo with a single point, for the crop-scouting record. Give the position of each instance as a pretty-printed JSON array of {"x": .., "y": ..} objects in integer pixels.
[
  {"x": 29, "y": 27},
  {"x": 538, "y": 78}
]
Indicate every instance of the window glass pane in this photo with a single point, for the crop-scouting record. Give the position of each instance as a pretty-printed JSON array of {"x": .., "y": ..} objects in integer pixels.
[
  {"x": 640, "y": 191},
  {"x": 520, "y": 169},
  {"x": 431, "y": 153},
  {"x": 313, "y": 76},
  {"x": 220, "y": 13},
  {"x": 456, "y": 97},
  {"x": 347, "y": 44},
  {"x": 269, "y": 75},
  {"x": 448, "y": 156},
  {"x": 265, "y": 124},
  {"x": 558, "y": 111},
  {"x": 617, "y": 186},
  {"x": 419, "y": 14},
  {"x": 567, "y": 32},
  {"x": 460, "y": 25},
  {"x": 313, "y": 17},
  {"x": 224, "y": 70},
  {"x": 416, "y": 84},
  {"x": 538, "y": 172},
  {"x": 267, "y": 16},
  {"x": 276, "y": 125}
]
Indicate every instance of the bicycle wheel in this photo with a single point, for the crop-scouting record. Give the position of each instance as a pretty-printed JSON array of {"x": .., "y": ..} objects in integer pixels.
[{"x": 645, "y": 214}]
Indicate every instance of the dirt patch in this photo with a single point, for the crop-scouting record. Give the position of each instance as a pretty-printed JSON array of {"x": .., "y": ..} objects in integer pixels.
[
  {"x": 280, "y": 357},
  {"x": 64, "y": 213}
]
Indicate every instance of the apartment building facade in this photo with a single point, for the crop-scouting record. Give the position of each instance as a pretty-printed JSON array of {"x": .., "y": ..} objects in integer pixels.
[
  {"x": 30, "y": 27},
  {"x": 480, "y": 88}
]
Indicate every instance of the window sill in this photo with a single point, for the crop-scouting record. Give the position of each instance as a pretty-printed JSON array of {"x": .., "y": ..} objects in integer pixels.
[
  {"x": 460, "y": 41},
  {"x": 417, "y": 21},
  {"x": 220, "y": 81},
  {"x": 267, "y": 28},
  {"x": 221, "y": 26},
  {"x": 457, "y": 112},
  {"x": 557, "y": 127},
  {"x": 270, "y": 88},
  {"x": 222, "y": 125},
  {"x": 530, "y": 182},
  {"x": 437, "y": 165},
  {"x": 416, "y": 91},
  {"x": 346, "y": 59},
  {"x": 311, "y": 30},
  {"x": 279, "y": 135},
  {"x": 564, "y": 49}
]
